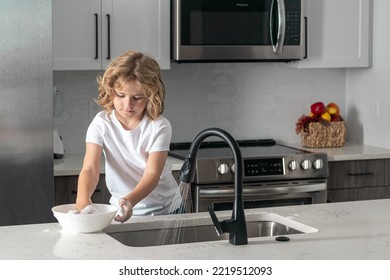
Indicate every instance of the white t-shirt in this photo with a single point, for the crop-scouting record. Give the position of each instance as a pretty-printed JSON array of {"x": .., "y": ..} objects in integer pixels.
[{"x": 126, "y": 154}]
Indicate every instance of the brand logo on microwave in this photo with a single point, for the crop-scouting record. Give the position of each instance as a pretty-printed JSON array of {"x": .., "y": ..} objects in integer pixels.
[{"x": 242, "y": 5}]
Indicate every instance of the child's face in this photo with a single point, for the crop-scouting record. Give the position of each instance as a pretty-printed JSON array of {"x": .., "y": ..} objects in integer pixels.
[{"x": 129, "y": 103}]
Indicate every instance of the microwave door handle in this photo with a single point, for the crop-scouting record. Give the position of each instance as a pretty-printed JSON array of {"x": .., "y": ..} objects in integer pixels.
[{"x": 278, "y": 46}]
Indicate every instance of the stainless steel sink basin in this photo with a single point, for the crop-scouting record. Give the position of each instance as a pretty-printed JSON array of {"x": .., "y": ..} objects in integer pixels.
[{"x": 257, "y": 226}]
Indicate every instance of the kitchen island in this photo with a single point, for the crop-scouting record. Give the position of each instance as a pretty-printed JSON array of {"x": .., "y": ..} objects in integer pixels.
[{"x": 346, "y": 230}]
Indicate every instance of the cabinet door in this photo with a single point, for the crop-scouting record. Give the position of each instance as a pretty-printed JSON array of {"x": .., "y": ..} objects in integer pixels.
[
  {"x": 358, "y": 194},
  {"x": 357, "y": 174},
  {"x": 76, "y": 34},
  {"x": 141, "y": 25},
  {"x": 358, "y": 180},
  {"x": 88, "y": 34},
  {"x": 339, "y": 34}
]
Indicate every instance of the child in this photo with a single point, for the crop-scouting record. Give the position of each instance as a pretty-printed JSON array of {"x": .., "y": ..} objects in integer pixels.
[{"x": 134, "y": 138}]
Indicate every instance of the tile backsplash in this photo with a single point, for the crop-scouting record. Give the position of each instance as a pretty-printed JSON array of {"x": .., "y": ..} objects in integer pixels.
[{"x": 249, "y": 100}]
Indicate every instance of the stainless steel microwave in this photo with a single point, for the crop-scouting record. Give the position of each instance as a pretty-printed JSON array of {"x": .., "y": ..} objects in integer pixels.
[{"x": 237, "y": 30}]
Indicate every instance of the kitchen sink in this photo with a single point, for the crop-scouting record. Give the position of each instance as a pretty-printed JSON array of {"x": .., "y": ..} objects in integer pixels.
[{"x": 175, "y": 233}]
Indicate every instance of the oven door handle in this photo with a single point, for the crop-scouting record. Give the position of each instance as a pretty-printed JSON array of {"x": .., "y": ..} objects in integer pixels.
[{"x": 274, "y": 190}]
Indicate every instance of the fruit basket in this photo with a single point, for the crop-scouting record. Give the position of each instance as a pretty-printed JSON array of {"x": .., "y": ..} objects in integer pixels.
[
  {"x": 321, "y": 135},
  {"x": 323, "y": 128}
]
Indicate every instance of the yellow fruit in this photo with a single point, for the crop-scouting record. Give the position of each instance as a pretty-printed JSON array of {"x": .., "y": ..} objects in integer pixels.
[
  {"x": 333, "y": 109},
  {"x": 326, "y": 116}
]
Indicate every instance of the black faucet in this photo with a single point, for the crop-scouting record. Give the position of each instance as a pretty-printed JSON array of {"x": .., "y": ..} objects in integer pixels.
[{"x": 236, "y": 225}]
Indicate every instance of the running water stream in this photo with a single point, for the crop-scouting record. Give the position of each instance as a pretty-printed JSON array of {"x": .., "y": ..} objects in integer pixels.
[
  {"x": 171, "y": 231},
  {"x": 236, "y": 225}
]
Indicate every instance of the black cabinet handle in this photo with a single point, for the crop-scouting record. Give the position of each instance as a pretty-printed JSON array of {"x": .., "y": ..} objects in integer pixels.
[
  {"x": 361, "y": 174},
  {"x": 108, "y": 37},
  {"x": 96, "y": 37}
]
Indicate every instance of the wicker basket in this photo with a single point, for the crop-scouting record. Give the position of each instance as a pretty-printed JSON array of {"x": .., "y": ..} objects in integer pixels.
[{"x": 324, "y": 136}]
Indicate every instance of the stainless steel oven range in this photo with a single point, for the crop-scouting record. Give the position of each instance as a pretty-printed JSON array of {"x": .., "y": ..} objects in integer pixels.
[{"x": 274, "y": 175}]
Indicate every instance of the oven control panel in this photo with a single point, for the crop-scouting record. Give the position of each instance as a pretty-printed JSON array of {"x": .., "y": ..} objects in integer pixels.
[
  {"x": 286, "y": 167},
  {"x": 264, "y": 167},
  {"x": 261, "y": 169}
]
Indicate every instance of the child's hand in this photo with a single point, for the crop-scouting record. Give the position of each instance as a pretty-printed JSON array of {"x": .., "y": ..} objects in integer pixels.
[
  {"x": 82, "y": 203},
  {"x": 127, "y": 211},
  {"x": 89, "y": 209}
]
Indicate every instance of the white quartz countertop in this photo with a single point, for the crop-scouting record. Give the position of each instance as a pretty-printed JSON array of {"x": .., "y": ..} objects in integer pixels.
[
  {"x": 347, "y": 230},
  {"x": 71, "y": 164},
  {"x": 348, "y": 152}
]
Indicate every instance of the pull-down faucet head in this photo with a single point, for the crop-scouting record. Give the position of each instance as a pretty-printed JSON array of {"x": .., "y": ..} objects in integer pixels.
[{"x": 236, "y": 226}]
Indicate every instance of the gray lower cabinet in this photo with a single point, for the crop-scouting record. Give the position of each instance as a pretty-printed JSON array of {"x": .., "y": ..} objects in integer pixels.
[
  {"x": 65, "y": 190},
  {"x": 358, "y": 180}
]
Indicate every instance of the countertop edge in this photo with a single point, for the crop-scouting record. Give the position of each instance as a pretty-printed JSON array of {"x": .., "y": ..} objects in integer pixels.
[
  {"x": 347, "y": 152},
  {"x": 70, "y": 164}
]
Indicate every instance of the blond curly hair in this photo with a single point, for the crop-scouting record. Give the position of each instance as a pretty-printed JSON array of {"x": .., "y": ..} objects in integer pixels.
[{"x": 140, "y": 68}]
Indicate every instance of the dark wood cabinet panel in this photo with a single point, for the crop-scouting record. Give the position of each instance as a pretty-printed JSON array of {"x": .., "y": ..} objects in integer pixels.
[
  {"x": 65, "y": 190},
  {"x": 358, "y": 194},
  {"x": 356, "y": 174},
  {"x": 358, "y": 180}
]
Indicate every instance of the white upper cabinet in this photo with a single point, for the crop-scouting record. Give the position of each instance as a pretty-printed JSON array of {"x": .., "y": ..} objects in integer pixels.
[
  {"x": 88, "y": 34},
  {"x": 339, "y": 34}
]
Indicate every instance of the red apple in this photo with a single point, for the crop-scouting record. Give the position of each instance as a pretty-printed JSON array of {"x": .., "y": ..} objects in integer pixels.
[{"x": 318, "y": 108}]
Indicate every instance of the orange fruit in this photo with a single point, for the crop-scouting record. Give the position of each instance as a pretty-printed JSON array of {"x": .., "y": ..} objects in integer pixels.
[{"x": 333, "y": 109}]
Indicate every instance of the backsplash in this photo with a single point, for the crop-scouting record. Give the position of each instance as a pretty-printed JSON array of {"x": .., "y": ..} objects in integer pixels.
[{"x": 249, "y": 100}]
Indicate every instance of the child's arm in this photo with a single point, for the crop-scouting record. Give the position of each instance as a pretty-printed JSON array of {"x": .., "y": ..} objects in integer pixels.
[
  {"x": 149, "y": 180},
  {"x": 89, "y": 175}
]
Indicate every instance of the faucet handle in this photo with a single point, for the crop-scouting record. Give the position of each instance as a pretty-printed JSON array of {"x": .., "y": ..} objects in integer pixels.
[{"x": 219, "y": 227}]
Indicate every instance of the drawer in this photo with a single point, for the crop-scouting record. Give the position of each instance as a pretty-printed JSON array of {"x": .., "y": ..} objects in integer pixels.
[
  {"x": 357, "y": 174},
  {"x": 358, "y": 194}
]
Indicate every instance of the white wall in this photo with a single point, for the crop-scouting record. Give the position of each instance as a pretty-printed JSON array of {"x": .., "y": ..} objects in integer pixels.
[
  {"x": 367, "y": 85},
  {"x": 250, "y": 100},
  {"x": 254, "y": 100}
]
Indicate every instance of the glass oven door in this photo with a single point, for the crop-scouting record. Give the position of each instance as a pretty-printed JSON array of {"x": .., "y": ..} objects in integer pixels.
[{"x": 257, "y": 196}]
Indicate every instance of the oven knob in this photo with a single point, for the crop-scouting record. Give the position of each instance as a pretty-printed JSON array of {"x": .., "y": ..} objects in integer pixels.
[
  {"x": 318, "y": 164},
  {"x": 306, "y": 164},
  {"x": 223, "y": 168},
  {"x": 233, "y": 168},
  {"x": 293, "y": 165}
]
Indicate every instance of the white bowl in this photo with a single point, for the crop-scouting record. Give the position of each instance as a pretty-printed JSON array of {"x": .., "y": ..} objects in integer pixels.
[{"x": 85, "y": 223}]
